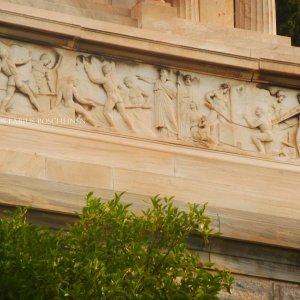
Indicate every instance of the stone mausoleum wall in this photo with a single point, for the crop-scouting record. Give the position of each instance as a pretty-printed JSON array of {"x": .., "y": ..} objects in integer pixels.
[{"x": 159, "y": 97}]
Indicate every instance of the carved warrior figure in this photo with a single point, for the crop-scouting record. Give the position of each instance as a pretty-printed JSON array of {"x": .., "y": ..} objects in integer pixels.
[
  {"x": 264, "y": 124},
  {"x": 72, "y": 99},
  {"x": 218, "y": 103},
  {"x": 135, "y": 97},
  {"x": 164, "y": 95},
  {"x": 45, "y": 75},
  {"x": 112, "y": 89},
  {"x": 9, "y": 68}
]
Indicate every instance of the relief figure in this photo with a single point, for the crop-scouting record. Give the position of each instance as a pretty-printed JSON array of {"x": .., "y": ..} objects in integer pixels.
[
  {"x": 277, "y": 103},
  {"x": 139, "y": 108},
  {"x": 277, "y": 98},
  {"x": 45, "y": 74},
  {"x": 186, "y": 97},
  {"x": 135, "y": 97},
  {"x": 9, "y": 68},
  {"x": 294, "y": 112},
  {"x": 264, "y": 124},
  {"x": 200, "y": 127},
  {"x": 218, "y": 102},
  {"x": 114, "y": 99},
  {"x": 202, "y": 132},
  {"x": 165, "y": 94},
  {"x": 69, "y": 94}
]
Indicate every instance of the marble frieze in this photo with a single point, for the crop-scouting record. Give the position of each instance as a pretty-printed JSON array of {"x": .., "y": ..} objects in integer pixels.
[{"x": 58, "y": 87}]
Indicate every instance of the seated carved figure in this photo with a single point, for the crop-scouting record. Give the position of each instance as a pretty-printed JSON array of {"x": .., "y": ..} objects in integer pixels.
[
  {"x": 202, "y": 134},
  {"x": 200, "y": 127}
]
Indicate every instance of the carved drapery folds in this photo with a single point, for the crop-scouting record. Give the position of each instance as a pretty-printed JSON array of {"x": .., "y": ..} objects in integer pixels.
[
  {"x": 61, "y": 87},
  {"x": 256, "y": 15}
]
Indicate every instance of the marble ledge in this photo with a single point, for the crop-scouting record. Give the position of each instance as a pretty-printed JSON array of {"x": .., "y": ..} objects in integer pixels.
[
  {"x": 163, "y": 146},
  {"x": 62, "y": 197}
]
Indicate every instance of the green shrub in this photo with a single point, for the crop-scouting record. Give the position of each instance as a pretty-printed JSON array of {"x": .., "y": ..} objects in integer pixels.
[{"x": 109, "y": 253}]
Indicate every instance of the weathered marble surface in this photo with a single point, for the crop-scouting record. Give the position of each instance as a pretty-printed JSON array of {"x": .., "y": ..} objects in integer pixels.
[{"x": 68, "y": 88}]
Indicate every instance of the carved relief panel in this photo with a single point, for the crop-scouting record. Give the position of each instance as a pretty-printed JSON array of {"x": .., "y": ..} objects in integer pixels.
[{"x": 93, "y": 92}]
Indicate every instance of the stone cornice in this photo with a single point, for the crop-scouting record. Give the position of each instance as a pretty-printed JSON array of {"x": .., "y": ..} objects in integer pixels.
[
  {"x": 131, "y": 140},
  {"x": 208, "y": 57}
]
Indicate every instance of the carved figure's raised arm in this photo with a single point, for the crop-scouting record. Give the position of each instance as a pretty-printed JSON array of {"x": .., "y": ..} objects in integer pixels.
[
  {"x": 92, "y": 77},
  {"x": 146, "y": 79}
]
